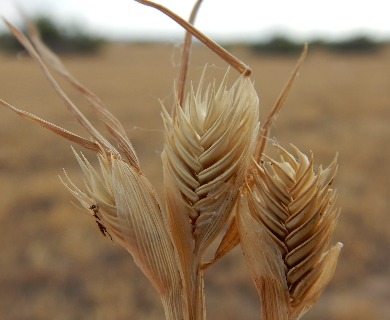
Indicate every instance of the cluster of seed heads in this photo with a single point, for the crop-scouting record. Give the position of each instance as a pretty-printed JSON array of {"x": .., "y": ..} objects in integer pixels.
[{"x": 218, "y": 183}]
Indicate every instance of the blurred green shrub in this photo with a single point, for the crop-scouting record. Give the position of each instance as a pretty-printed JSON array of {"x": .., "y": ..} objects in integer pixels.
[
  {"x": 359, "y": 44},
  {"x": 278, "y": 45},
  {"x": 62, "y": 41}
]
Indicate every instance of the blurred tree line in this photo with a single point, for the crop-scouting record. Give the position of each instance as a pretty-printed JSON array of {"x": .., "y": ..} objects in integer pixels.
[
  {"x": 60, "y": 40},
  {"x": 73, "y": 40},
  {"x": 284, "y": 45}
]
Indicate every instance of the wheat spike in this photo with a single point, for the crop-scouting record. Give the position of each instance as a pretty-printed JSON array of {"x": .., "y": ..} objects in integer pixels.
[
  {"x": 207, "y": 148},
  {"x": 208, "y": 145},
  {"x": 294, "y": 206}
]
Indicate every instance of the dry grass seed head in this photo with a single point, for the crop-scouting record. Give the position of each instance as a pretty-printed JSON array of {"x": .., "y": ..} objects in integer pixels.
[
  {"x": 207, "y": 149},
  {"x": 294, "y": 205}
]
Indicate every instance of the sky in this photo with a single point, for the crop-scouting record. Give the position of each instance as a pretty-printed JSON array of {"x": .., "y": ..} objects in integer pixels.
[{"x": 223, "y": 20}]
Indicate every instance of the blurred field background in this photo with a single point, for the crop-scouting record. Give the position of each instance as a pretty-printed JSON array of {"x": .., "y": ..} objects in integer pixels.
[{"x": 55, "y": 264}]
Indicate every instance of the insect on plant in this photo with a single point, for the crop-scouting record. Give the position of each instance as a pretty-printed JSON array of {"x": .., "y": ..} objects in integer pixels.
[
  {"x": 102, "y": 228},
  {"x": 219, "y": 183}
]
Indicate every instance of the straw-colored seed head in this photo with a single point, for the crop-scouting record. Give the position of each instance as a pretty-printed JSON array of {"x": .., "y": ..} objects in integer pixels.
[
  {"x": 124, "y": 204},
  {"x": 294, "y": 205},
  {"x": 208, "y": 144}
]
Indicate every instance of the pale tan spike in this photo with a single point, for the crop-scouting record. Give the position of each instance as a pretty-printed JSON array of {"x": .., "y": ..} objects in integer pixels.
[
  {"x": 223, "y": 145},
  {"x": 295, "y": 206},
  {"x": 204, "y": 170},
  {"x": 130, "y": 211}
]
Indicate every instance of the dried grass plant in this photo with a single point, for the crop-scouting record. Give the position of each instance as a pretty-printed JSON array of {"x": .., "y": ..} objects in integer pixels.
[{"x": 218, "y": 182}]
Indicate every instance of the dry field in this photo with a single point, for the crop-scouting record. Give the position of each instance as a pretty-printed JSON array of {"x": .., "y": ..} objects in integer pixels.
[{"x": 55, "y": 264}]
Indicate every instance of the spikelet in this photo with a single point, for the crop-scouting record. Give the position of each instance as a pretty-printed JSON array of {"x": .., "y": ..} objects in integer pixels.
[
  {"x": 208, "y": 145},
  {"x": 126, "y": 206},
  {"x": 207, "y": 148},
  {"x": 286, "y": 221}
]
